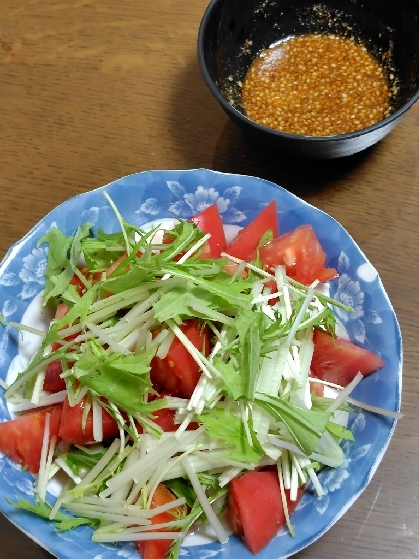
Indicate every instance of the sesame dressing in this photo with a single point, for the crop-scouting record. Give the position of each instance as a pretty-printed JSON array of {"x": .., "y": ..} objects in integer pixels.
[{"x": 316, "y": 85}]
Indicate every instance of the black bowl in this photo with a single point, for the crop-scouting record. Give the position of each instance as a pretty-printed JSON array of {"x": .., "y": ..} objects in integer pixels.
[{"x": 233, "y": 32}]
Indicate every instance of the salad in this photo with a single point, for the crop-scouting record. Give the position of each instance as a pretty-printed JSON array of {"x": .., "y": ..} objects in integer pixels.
[{"x": 182, "y": 380}]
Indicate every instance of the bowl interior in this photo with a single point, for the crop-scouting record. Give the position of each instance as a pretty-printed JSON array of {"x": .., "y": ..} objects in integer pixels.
[{"x": 233, "y": 32}]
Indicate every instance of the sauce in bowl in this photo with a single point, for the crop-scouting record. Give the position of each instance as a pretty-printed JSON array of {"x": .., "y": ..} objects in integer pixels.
[{"x": 316, "y": 85}]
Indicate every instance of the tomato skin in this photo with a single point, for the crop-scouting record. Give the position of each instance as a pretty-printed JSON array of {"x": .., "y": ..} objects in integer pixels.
[
  {"x": 209, "y": 221},
  {"x": 249, "y": 238},
  {"x": 53, "y": 382},
  {"x": 254, "y": 510},
  {"x": 165, "y": 418},
  {"x": 21, "y": 438},
  {"x": 116, "y": 264},
  {"x": 81, "y": 288},
  {"x": 317, "y": 389},
  {"x": 338, "y": 361},
  {"x": 178, "y": 373},
  {"x": 157, "y": 549},
  {"x": 61, "y": 310},
  {"x": 71, "y": 429},
  {"x": 301, "y": 253}
]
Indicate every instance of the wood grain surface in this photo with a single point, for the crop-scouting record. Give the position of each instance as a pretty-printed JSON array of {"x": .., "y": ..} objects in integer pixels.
[{"x": 94, "y": 90}]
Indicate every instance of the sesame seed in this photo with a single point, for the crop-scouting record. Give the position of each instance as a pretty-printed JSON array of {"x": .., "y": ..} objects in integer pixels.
[{"x": 336, "y": 87}]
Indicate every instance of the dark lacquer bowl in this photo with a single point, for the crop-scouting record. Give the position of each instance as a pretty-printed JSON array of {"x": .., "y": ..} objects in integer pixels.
[{"x": 234, "y": 32}]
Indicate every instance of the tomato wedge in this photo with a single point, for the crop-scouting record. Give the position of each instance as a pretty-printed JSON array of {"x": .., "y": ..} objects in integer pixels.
[
  {"x": 301, "y": 253},
  {"x": 21, "y": 438},
  {"x": 178, "y": 373},
  {"x": 157, "y": 549},
  {"x": 249, "y": 238},
  {"x": 254, "y": 510},
  {"x": 71, "y": 429},
  {"x": 165, "y": 418},
  {"x": 338, "y": 361},
  {"x": 209, "y": 221},
  {"x": 53, "y": 382}
]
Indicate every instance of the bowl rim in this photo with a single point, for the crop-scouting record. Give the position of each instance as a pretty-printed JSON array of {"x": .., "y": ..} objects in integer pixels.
[{"x": 387, "y": 121}]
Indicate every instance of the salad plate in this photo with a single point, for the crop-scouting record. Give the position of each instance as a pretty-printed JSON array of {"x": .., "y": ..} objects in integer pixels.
[{"x": 154, "y": 196}]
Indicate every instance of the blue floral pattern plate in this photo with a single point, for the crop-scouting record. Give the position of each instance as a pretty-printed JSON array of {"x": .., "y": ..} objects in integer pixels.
[{"x": 152, "y": 196}]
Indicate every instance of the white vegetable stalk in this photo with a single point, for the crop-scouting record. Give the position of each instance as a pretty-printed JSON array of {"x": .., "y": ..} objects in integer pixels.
[
  {"x": 97, "y": 420},
  {"x": 165, "y": 345},
  {"x": 204, "y": 502},
  {"x": 37, "y": 389},
  {"x": 92, "y": 511},
  {"x": 190, "y": 252},
  {"x": 128, "y": 537},
  {"x": 375, "y": 409},
  {"x": 269, "y": 382},
  {"x": 105, "y": 339},
  {"x": 306, "y": 351},
  {"x": 44, "y": 455},
  {"x": 42, "y": 490},
  {"x": 143, "y": 469},
  {"x": 345, "y": 393},
  {"x": 228, "y": 475},
  {"x": 282, "y": 284},
  {"x": 110, "y": 310},
  {"x": 284, "y": 498},
  {"x": 66, "y": 468},
  {"x": 98, "y": 468},
  {"x": 333, "y": 461},
  {"x": 44, "y": 400},
  {"x": 122, "y": 492},
  {"x": 59, "y": 501},
  {"x": 248, "y": 265}
]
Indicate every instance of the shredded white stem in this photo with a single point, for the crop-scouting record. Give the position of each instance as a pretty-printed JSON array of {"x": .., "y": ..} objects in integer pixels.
[
  {"x": 44, "y": 454},
  {"x": 375, "y": 409},
  {"x": 345, "y": 393},
  {"x": 203, "y": 500},
  {"x": 248, "y": 265},
  {"x": 97, "y": 420},
  {"x": 284, "y": 497},
  {"x": 127, "y": 537}
]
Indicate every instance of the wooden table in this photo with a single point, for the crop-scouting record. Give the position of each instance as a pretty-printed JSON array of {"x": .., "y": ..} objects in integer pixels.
[{"x": 94, "y": 90}]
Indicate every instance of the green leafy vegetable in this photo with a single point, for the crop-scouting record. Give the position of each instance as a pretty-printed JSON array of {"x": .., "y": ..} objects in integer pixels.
[
  {"x": 233, "y": 433},
  {"x": 63, "y": 522}
]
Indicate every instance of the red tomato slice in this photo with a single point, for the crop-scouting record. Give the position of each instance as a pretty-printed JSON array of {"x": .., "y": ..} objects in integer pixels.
[
  {"x": 21, "y": 438},
  {"x": 338, "y": 361},
  {"x": 116, "y": 264},
  {"x": 301, "y": 253},
  {"x": 254, "y": 510},
  {"x": 61, "y": 310},
  {"x": 316, "y": 388},
  {"x": 157, "y": 549},
  {"x": 165, "y": 419},
  {"x": 75, "y": 280},
  {"x": 248, "y": 239},
  {"x": 53, "y": 382},
  {"x": 178, "y": 373},
  {"x": 71, "y": 429},
  {"x": 209, "y": 221}
]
